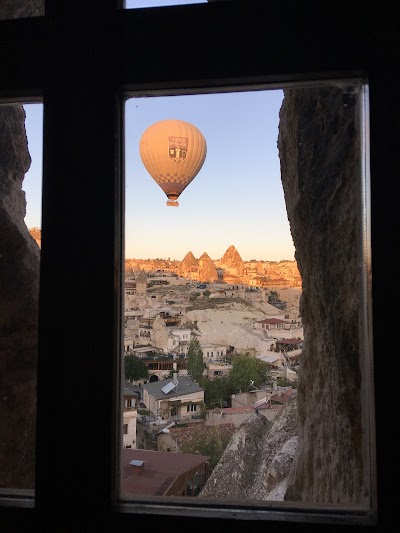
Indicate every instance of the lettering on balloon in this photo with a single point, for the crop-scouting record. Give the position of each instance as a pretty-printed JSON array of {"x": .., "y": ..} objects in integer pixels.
[{"x": 177, "y": 148}]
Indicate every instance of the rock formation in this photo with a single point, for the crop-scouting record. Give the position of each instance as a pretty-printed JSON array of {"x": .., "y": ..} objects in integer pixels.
[
  {"x": 232, "y": 265},
  {"x": 19, "y": 295},
  {"x": 13, "y": 9},
  {"x": 267, "y": 274},
  {"x": 207, "y": 271},
  {"x": 319, "y": 149},
  {"x": 19, "y": 291},
  {"x": 257, "y": 461},
  {"x": 189, "y": 264}
]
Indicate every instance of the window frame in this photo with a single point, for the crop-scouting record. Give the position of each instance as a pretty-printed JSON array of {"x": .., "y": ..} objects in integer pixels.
[{"x": 82, "y": 72}]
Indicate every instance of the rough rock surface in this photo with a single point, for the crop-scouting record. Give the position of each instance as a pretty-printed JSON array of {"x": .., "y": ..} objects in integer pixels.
[
  {"x": 19, "y": 291},
  {"x": 319, "y": 152},
  {"x": 231, "y": 262},
  {"x": 207, "y": 270},
  {"x": 13, "y": 9},
  {"x": 19, "y": 294},
  {"x": 188, "y": 264},
  {"x": 257, "y": 460}
]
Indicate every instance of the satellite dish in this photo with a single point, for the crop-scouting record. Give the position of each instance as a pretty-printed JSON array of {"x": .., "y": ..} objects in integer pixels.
[{"x": 173, "y": 152}]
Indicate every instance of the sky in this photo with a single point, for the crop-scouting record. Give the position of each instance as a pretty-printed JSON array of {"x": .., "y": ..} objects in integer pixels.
[
  {"x": 160, "y": 3},
  {"x": 235, "y": 199}
]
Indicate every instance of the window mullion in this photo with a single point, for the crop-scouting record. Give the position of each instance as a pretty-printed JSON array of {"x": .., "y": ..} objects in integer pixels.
[{"x": 81, "y": 260}]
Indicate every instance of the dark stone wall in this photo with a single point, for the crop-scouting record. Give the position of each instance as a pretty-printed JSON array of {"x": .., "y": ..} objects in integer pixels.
[
  {"x": 19, "y": 291},
  {"x": 319, "y": 148},
  {"x": 13, "y": 9},
  {"x": 19, "y": 294}
]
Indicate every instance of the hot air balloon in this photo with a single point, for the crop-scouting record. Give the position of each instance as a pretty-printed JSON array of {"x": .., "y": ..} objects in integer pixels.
[{"x": 173, "y": 152}]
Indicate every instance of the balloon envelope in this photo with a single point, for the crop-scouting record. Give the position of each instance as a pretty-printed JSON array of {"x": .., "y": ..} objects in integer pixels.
[{"x": 173, "y": 152}]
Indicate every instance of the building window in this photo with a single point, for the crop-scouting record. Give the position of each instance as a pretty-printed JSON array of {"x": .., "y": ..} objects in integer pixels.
[
  {"x": 128, "y": 402},
  {"x": 125, "y": 429}
]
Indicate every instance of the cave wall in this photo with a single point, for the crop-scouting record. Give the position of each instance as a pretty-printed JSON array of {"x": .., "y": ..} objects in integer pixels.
[
  {"x": 19, "y": 291},
  {"x": 19, "y": 295},
  {"x": 319, "y": 150}
]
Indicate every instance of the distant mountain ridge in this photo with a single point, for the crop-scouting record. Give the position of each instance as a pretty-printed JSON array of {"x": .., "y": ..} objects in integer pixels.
[{"x": 230, "y": 269}]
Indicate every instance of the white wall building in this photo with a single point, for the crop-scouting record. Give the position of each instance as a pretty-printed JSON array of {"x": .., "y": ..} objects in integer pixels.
[
  {"x": 178, "y": 398},
  {"x": 129, "y": 416},
  {"x": 213, "y": 352},
  {"x": 129, "y": 343}
]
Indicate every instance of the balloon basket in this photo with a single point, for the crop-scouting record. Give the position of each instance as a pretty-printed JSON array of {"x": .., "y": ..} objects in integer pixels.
[{"x": 174, "y": 203}]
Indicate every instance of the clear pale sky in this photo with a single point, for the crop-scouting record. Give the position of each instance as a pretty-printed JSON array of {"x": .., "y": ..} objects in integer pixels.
[{"x": 235, "y": 199}]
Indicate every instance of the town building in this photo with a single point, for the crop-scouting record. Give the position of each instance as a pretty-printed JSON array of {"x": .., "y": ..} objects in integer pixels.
[
  {"x": 178, "y": 398},
  {"x": 157, "y": 473}
]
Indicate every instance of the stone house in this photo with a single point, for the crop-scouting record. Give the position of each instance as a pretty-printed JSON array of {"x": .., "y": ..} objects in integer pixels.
[
  {"x": 179, "y": 340},
  {"x": 178, "y": 398},
  {"x": 214, "y": 370},
  {"x": 129, "y": 414},
  {"x": 228, "y": 415},
  {"x": 213, "y": 352},
  {"x": 270, "y": 324}
]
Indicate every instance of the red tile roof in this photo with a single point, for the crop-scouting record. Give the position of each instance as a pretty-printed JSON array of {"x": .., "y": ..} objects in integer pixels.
[
  {"x": 160, "y": 470},
  {"x": 290, "y": 341}
]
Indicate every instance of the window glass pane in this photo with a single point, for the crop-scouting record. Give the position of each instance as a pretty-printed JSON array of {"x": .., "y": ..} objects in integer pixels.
[
  {"x": 219, "y": 189},
  {"x": 20, "y": 222}
]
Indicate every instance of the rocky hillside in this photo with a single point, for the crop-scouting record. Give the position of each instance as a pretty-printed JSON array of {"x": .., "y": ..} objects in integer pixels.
[{"x": 257, "y": 461}]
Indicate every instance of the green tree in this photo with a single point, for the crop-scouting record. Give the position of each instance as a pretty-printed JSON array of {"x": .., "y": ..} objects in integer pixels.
[
  {"x": 217, "y": 392},
  {"x": 272, "y": 297},
  {"x": 206, "y": 293},
  {"x": 211, "y": 443},
  {"x": 195, "y": 364},
  {"x": 248, "y": 372},
  {"x": 134, "y": 368}
]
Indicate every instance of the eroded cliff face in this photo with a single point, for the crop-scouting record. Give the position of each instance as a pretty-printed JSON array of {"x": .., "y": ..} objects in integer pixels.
[
  {"x": 273, "y": 274},
  {"x": 231, "y": 262},
  {"x": 19, "y": 295},
  {"x": 319, "y": 147},
  {"x": 256, "y": 463},
  {"x": 19, "y": 291},
  {"x": 207, "y": 271},
  {"x": 13, "y": 9}
]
